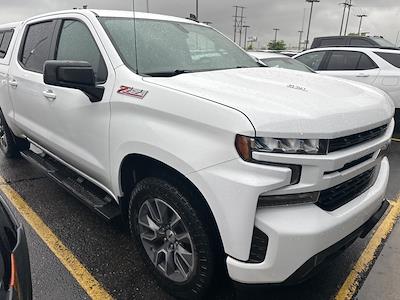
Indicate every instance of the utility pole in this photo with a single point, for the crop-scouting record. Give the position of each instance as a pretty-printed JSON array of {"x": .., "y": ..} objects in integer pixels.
[
  {"x": 361, "y": 16},
  {"x": 344, "y": 13},
  {"x": 349, "y": 5},
  {"x": 197, "y": 9},
  {"x": 147, "y": 6},
  {"x": 300, "y": 37},
  {"x": 397, "y": 38},
  {"x": 245, "y": 36},
  {"x": 238, "y": 22},
  {"x": 241, "y": 27},
  {"x": 309, "y": 21},
  {"x": 276, "y": 34}
]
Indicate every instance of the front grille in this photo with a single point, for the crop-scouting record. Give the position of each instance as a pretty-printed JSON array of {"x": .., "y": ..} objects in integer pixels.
[
  {"x": 355, "y": 139},
  {"x": 345, "y": 192},
  {"x": 259, "y": 246}
]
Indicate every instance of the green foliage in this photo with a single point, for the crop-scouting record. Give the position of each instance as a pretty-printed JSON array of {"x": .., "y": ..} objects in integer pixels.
[{"x": 278, "y": 45}]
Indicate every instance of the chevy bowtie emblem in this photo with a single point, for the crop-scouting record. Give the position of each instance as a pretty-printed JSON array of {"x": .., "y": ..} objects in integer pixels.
[
  {"x": 297, "y": 87},
  {"x": 132, "y": 92}
]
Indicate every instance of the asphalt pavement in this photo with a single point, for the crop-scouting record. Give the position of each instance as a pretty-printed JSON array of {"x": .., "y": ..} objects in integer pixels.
[{"x": 111, "y": 257}]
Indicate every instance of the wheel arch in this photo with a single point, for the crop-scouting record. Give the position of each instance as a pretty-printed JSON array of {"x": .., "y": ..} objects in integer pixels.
[{"x": 135, "y": 167}]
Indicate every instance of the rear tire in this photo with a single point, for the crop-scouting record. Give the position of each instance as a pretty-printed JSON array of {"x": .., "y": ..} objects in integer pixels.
[
  {"x": 10, "y": 145},
  {"x": 172, "y": 238}
]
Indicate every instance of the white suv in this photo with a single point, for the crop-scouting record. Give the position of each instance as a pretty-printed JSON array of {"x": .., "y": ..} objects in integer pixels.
[
  {"x": 213, "y": 159},
  {"x": 375, "y": 66}
]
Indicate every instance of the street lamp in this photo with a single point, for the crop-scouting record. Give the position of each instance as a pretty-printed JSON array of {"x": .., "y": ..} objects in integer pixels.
[
  {"x": 276, "y": 34},
  {"x": 309, "y": 21},
  {"x": 245, "y": 35},
  {"x": 361, "y": 16}
]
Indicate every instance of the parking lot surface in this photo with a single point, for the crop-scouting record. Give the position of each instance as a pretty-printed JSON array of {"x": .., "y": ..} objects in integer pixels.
[{"x": 109, "y": 255}]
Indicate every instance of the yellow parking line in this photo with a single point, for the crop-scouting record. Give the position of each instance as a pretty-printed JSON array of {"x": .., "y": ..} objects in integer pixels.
[
  {"x": 89, "y": 284},
  {"x": 368, "y": 256},
  {"x": 395, "y": 140}
]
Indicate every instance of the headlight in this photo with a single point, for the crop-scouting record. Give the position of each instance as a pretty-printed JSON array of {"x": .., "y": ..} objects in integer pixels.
[{"x": 246, "y": 145}]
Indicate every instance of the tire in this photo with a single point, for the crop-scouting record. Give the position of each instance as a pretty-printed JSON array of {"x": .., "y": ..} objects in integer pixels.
[
  {"x": 10, "y": 145},
  {"x": 155, "y": 203}
]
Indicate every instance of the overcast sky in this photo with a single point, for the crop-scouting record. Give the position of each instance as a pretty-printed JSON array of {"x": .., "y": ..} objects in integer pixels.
[{"x": 262, "y": 15}]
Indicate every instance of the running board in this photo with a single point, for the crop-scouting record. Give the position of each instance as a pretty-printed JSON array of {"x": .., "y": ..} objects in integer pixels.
[{"x": 88, "y": 193}]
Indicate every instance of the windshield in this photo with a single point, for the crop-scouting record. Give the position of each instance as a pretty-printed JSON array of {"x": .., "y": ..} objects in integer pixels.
[
  {"x": 166, "y": 48},
  {"x": 286, "y": 63},
  {"x": 383, "y": 43}
]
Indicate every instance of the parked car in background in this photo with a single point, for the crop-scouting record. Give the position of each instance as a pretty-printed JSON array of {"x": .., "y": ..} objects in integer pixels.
[
  {"x": 280, "y": 61},
  {"x": 374, "y": 66},
  {"x": 15, "y": 275},
  {"x": 352, "y": 41}
]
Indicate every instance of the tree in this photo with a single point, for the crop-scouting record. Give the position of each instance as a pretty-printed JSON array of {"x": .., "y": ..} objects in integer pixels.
[
  {"x": 278, "y": 45},
  {"x": 250, "y": 47}
]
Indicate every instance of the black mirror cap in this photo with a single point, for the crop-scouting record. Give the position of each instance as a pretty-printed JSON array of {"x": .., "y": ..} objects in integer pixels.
[{"x": 73, "y": 74}]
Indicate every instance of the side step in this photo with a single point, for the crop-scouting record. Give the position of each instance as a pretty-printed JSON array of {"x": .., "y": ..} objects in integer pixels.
[{"x": 90, "y": 195}]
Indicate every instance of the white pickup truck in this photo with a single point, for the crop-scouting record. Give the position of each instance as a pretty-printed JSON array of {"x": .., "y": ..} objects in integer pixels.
[{"x": 217, "y": 163}]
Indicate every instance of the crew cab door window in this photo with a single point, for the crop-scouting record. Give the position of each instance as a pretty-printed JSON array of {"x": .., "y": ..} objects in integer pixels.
[
  {"x": 77, "y": 43},
  {"x": 36, "y": 49},
  {"x": 349, "y": 61},
  {"x": 313, "y": 59}
]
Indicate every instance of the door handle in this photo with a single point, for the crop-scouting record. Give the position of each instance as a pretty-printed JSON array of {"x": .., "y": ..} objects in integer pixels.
[
  {"x": 362, "y": 75},
  {"x": 13, "y": 83},
  {"x": 49, "y": 95}
]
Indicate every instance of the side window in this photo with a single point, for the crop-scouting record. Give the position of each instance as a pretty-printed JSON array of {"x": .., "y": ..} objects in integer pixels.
[
  {"x": 366, "y": 63},
  {"x": 36, "y": 47},
  {"x": 5, "y": 42},
  {"x": 343, "y": 61},
  {"x": 77, "y": 43},
  {"x": 360, "y": 42},
  {"x": 313, "y": 59},
  {"x": 391, "y": 58}
]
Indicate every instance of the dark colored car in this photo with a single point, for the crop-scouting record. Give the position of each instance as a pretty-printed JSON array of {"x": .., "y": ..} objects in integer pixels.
[
  {"x": 15, "y": 274},
  {"x": 352, "y": 41}
]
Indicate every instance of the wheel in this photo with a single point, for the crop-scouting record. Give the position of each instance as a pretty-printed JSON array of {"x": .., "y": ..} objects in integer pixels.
[
  {"x": 172, "y": 238},
  {"x": 10, "y": 145}
]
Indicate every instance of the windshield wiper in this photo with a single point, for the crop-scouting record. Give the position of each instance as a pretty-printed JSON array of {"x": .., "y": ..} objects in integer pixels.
[{"x": 168, "y": 74}]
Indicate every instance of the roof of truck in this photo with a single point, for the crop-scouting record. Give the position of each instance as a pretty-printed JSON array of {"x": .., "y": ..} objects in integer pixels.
[
  {"x": 119, "y": 14},
  {"x": 10, "y": 25}
]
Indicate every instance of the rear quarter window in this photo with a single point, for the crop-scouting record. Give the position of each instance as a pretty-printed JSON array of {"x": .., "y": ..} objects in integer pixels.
[{"x": 391, "y": 58}]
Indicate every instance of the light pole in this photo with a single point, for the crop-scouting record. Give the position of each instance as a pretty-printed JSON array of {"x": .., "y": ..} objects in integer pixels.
[
  {"x": 349, "y": 5},
  {"x": 197, "y": 9},
  {"x": 361, "y": 16},
  {"x": 344, "y": 13},
  {"x": 245, "y": 35},
  {"x": 300, "y": 37},
  {"x": 309, "y": 21},
  {"x": 276, "y": 34},
  {"x": 147, "y": 6}
]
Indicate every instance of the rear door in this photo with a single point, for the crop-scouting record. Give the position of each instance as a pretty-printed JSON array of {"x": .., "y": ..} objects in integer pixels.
[
  {"x": 352, "y": 65},
  {"x": 26, "y": 87}
]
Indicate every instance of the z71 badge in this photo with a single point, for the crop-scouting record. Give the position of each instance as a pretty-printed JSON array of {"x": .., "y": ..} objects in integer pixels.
[{"x": 131, "y": 91}]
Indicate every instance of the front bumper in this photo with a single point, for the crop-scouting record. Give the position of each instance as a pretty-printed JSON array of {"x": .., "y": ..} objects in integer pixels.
[{"x": 298, "y": 233}]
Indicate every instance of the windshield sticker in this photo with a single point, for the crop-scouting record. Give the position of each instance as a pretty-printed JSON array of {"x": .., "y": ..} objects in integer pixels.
[{"x": 132, "y": 92}]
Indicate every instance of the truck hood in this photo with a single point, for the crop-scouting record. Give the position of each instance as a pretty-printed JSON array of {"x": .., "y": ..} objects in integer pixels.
[{"x": 285, "y": 103}]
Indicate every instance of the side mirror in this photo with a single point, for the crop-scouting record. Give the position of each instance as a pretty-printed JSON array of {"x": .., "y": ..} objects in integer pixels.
[{"x": 73, "y": 74}]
